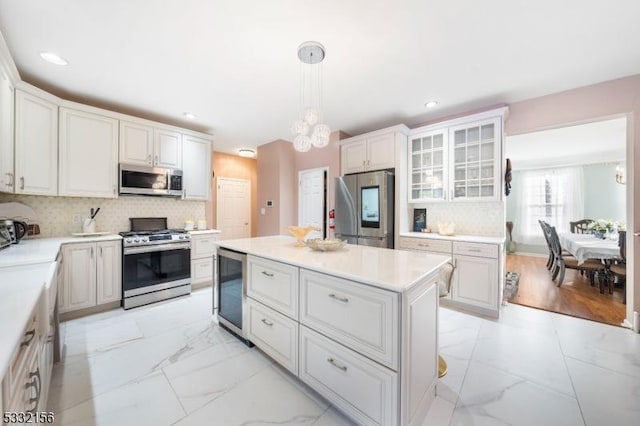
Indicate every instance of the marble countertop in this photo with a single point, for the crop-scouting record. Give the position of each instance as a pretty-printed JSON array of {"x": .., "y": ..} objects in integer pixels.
[
  {"x": 20, "y": 290},
  {"x": 465, "y": 238},
  {"x": 39, "y": 250},
  {"x": 205, "y": 231},
  {"x": 394, "y": 270}
]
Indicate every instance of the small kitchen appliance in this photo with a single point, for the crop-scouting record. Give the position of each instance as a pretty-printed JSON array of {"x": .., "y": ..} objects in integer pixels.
[
  {"x": 157, "y": 181},
  {"x": 17, "y": 229}
]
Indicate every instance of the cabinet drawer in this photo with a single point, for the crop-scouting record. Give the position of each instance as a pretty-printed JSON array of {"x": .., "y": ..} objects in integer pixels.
[
  {"x": 362, "y": 317},
  {"x": 274, "y": 333},
  {"x": 476, "y": 249},
  {"x": 20, "y": 391},
  {"x": 202, "y": 270},
  {"x": 274, "y": 284},
  {"x": 203, "y": 246},
  {"x": 427, "y": 244},
  {"x": 362, "y": 388},
  {"x": 25, "y": 348}
]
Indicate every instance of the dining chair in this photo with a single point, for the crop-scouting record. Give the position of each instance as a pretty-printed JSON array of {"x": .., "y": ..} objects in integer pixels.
[
  {"x": 543, "y": 224},
  {"x": 580, "y": 226},
  {"x": 444, "y": 288},
  {"x": 620, "y": 269},
  {"x": 562, "y": 262}
]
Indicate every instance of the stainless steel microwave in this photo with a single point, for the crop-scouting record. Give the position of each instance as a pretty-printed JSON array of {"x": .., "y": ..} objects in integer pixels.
[{"x": 140, "y": 180}]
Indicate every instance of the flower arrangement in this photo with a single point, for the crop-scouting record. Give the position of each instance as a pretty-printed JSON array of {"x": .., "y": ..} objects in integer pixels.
[{"x": 601, "y": 227}]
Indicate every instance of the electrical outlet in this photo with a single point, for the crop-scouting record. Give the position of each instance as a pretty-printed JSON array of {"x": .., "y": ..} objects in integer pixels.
[{"x": 77, "y": 218}]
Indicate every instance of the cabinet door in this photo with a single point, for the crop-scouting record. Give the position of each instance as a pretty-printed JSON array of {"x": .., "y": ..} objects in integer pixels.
[
  {"x": 36, "y": 145},
  {"x": 196, "y": 174},
  {"x": 202, "y": 270},
  {"x": 475, "y": 281},
  {"x": 428, "y": 166},
  {"x": 167, "y": 149},
  {"x": 79, "y": 282},
  {"x": 136, "y": 144},
  {"x": 109, "y": 272},
  {"x": 381, "y": 152},
  {"x": 88, "y": 154},
  {"x": 475, "y": 166},
  {"x": 6, "y": 134},
  {"x": 353, "y": 157}
]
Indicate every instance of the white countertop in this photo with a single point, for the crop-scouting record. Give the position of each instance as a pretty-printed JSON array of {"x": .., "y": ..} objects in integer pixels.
[
  {"x": 20, "y": 289},
  {"x": 204, "y": 231},
  {"x": 467, "y": 238},
  {"x": 39, "y": 250},
  {"x": 395, "y": 270}
]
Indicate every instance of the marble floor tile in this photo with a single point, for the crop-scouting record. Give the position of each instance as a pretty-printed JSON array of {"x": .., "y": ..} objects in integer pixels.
[
  {"x": 458, "y": 333},
  {"x": 610, "y": 347},
  {"x": 526, "y": 319},
  {"x": 532, "y": 355},
  {"x": 149, "y": 401},
  {"x": 449, "y": 386},
  {"x": 101, "y": 336},
  {"x": 606, "y": 397},
  {"x": 333, "y": 417},
  {"x": 265, "y": 398},
  {"x": 440, "y": 412},
  {"x": 492, "y": 397}
]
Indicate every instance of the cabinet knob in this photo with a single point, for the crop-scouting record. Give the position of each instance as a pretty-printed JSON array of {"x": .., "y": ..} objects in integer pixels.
[
  {"x": 10, "y": 184},
  {"x": 149, "y": 159},
  {"x": 156, "y": 160},
  {"x": 21, "y": 182}
]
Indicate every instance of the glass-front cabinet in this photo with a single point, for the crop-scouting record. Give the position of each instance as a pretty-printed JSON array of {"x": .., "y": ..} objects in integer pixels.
[{"x": 460, "y": 162}]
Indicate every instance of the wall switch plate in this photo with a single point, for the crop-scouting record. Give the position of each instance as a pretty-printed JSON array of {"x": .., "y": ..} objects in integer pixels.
[
  {"x": 269, "y": 203},
  {"x": 263, "y": 211}
]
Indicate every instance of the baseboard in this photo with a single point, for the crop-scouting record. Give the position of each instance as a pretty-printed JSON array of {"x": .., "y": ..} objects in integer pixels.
[
  {"x": 522, "y": 253},
  {"x": 66, "y": 316},
  {"x": 627, "y": 324}
]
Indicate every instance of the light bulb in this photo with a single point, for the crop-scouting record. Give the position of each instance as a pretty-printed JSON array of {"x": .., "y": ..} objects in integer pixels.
[
  {"x": 302, "y": 143},
  {"x": 320, "y": 137},
  {"x": 311, "y": 116},
  {"x": 300, "y": 127}
]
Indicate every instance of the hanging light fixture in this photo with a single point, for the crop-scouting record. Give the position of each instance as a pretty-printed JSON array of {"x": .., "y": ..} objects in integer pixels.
[{"x": 309, "y": 130}]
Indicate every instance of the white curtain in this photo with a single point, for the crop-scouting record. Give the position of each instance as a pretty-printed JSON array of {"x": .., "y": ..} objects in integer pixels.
[{"x": 553, "y": 195}]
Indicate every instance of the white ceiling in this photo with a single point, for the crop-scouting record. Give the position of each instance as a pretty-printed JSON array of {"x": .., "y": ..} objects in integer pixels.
[
  {"x": 234, "y": 63},
  {"x": 597, "y": 142}
]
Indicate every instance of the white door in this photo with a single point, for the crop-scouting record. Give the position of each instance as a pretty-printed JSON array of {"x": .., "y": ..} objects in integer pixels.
[
  {"x": 233, "y": 207},
  {"x": 167, "y": 149},
  {"x": 311, "y": 200},
  {"x": 196, "y": 173}
]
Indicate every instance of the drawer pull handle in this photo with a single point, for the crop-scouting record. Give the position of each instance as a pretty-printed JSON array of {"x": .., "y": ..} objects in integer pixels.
[
  {"x": 338, "y": 298},
  {"x": 37, "y": 384},
  {"x": 423, "y": 245},
  {"x": 336, "y": 365},
  {"x": 267, "y": 322},
  {"x": 267, "y": 274},
  {"x": 29, "y": 337},
  {"x": 475, "y": 250}
]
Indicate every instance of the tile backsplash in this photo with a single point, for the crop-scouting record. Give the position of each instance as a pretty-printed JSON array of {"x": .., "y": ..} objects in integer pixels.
[
  {"x": 55, "y": 214},
  {"x": 482, "y": 218}
]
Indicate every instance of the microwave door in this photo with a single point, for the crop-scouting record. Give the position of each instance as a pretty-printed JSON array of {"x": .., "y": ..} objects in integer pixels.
[
  {"x": 372, "y": 199},
  {"x": 346, "y": 207}
]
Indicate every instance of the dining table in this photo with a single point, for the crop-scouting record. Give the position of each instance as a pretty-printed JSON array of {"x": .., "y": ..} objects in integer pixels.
[{"x": 588, "y": 246}]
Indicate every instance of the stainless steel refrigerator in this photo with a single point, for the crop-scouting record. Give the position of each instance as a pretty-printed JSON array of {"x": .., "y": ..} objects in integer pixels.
[{"x": 364, "y": 208}]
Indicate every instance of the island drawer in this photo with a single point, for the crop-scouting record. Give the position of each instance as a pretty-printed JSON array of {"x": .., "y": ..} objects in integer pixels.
[
  {"x": 274, "y": 333},
  {"x": 274, "y": 284},
  {"x": 476, "y": 249},
  {"x": 362, "y": 317},
  {"x": 427, "y": 244},
  {"x": 365, "y": 390}
]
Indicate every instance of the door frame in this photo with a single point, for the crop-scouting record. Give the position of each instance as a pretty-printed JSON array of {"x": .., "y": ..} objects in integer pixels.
[
  {"x": 325, "y": 203},
  {"x": 216, "y": 183}
]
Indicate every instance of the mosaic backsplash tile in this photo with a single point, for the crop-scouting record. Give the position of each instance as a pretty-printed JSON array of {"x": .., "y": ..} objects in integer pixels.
[
  {"x": 483, "y": 218},
  {"x": 55, "y": 214}
]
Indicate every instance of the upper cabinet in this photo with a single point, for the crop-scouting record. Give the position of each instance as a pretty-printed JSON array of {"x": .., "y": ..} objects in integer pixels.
[
  {"x": 456, "y": 161},
  {"x": 196, "y": 174},
  {"x": 36, "y": 145},
  {"x": 88, "y": 148},
  {"x": 372, "y": 151},
  {"x": 145, "y": 145},
  {"x": 7, "y": 108}
]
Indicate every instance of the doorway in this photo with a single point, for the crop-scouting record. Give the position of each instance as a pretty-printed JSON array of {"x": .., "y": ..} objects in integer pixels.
[
  {"x": 312, "y": 200},
  {"x": 561, "y": 175},
  {"x": 233, "y": 207}
]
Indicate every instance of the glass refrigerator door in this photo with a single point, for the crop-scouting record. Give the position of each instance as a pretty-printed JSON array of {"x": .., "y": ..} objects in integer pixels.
[{"x": 370, "y": 207}]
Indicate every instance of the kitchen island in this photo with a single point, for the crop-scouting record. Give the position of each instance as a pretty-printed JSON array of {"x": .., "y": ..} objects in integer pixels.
[{"x": 359, "y": 325}]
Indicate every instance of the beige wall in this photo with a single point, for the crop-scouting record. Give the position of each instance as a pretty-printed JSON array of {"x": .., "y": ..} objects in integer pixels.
[
  {"x": 233, "y": 166},
  {"x": 590, "y": 103}
]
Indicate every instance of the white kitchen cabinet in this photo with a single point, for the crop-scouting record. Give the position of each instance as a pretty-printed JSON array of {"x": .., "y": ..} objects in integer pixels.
[
  {"x": 88, "y": 149},
  {"x": 196, "y": 173},
  {"x": 92, "y": 274},
  {"x": 167, "y": 148},
  {"x": 36, "y": 145},
  {"x": 7, "y": 109},
  {"x": 456, "y": 160},
  {"x": 203, "y": 251},
  {"x": 368, "y": 153},
  {"x": 145, "y": 145},
  {"x": 273, "y": 284}
]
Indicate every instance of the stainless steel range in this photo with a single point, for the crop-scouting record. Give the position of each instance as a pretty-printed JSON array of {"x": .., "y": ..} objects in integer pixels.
[{"x": 156, "y": 262}]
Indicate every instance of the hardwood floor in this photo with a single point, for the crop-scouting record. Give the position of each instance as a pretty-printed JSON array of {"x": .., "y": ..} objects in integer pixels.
[{"x": 576, "y": 297}]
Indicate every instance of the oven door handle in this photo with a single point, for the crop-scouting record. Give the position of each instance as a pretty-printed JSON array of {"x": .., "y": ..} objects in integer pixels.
[{"x": 160, "y": 247}]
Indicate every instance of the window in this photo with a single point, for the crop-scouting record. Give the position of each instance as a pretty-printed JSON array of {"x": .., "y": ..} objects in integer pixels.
[{"x": 553, "y": 195}]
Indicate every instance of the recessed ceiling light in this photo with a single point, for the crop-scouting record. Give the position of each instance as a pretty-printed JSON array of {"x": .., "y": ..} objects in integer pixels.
[
  {"x": 53, "y": 58},
  {"x": 431, "y": 104},
  {"x": 246, "y": 152},
  {"x": 190, "y": 116}
]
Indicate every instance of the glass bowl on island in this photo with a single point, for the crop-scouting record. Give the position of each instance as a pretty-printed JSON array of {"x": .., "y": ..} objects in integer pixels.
[
  {"x": 318, "y": 244},
  {"x": 300, "y": 233}
]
